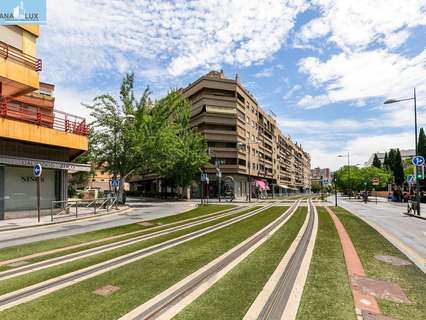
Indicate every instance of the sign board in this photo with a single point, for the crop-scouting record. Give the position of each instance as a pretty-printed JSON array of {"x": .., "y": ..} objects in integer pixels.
[
  {"x": 114, "y": 183},
  {"x": 410, "y": 179},
  {"x": 418, "y": 160},
  {"x": 203, "y": 177},
  {"x": 375, "y": 181},
  {"x": 37, "y": 169}
]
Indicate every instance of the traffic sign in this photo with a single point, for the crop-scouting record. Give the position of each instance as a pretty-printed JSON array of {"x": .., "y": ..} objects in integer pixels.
[
  {"x": 203, "y": 177},
  {"x": 114, "y": 183},
  {"x": 37, "y": 170},
  {"x": 375, "y": 181},
  {"x": 219, "y": 174},
  {"x": 410, "y": 179},
  {"x": 418, "y": 160}
]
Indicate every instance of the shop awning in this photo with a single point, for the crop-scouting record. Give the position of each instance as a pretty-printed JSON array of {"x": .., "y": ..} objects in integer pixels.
[
  {"x": 283, "y": 186},
  {"x": 50, "y": 164},
  {"x": 262, "y": 185}
]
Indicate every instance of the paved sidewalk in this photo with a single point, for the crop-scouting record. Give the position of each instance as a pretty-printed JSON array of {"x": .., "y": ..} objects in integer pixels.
[
  {"x": 144, "y": 211},
  {"x": 407, "y": 233}
]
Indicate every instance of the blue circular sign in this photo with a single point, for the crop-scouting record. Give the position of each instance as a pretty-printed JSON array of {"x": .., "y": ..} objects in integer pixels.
[
  {"x": 114, "y": 183},
  {"x": 37, "y": 170},
  {"x": 418, "y": 160}
]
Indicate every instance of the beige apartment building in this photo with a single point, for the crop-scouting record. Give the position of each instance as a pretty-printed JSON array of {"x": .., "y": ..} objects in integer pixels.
[
  {"x": 244, "y": 140},
  {"x": 245, "y": 145}
]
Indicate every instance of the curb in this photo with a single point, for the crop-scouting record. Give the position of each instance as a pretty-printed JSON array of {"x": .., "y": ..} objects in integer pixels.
[
  {"x": 413, "y": 215},
  {"x": 64, "y": 221}
]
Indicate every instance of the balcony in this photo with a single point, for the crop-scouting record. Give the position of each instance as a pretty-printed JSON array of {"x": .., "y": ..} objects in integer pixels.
[
  {"x": 18, "y": 71},
  {"x": 44, "y": 126},
  {"x": 57, "y": 120}
]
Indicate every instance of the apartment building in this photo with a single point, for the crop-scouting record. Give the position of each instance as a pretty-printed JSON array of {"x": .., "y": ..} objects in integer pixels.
[
  {"x": 244, "y": 141},
  {"x": 31, "y": 129}
]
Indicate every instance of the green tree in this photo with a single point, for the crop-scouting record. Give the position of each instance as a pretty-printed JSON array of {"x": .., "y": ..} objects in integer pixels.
[
  {"x": 141, "y": 136},
  {"x": 386, "y": 162},
  {"x": 398, "y": 169},
  {"x": 115, "y": 137},
  {"x": 376, "y": 161},
  {"x": 421, "y": 144},
  {"x": 360, "y": 178}
]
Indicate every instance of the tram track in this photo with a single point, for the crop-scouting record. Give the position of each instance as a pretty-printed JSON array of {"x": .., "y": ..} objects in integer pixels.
[
  {"x": 170, "y": 302},
  {"x": 40, "y": 289},
  {"x": 281, "y": 295},
  {"x": 118, "y": 236}
]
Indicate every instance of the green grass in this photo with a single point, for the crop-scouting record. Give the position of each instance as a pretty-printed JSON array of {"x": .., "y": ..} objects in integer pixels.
[
  {"x": 368, "y": 243},
  {"x": 141, "y": 280},
  {"x": 51, "y": 244},
  {"x": 327, "y": 293},
  {"x": 34, "y": 277},
  {"x": 232, "y": 296}
]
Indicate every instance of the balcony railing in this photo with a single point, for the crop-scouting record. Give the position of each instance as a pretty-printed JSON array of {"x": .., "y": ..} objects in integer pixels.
[
  {"x": 57, "y": 120},
  {"x": 9, "y": 52}
]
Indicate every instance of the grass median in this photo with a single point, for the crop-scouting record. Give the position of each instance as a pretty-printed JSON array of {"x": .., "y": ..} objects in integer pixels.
[
  {"x": 52, "y": 244},
  {"x": 232, "y": 296},
  {"x": 369, "y": 243},
  {"x": 141, "y": 280},
  {"x": 19, "y": 282},
  {"x": 327, "y": 293}
]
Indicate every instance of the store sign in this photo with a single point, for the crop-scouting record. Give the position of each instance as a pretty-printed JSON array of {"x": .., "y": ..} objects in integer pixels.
[
  {"x": 59, "y": 165},
  {"x": 31, "y": 179},
  {"x": 22, "y": 12}
]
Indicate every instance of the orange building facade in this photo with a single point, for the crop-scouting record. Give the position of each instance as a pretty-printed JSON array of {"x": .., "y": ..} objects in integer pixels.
[{"x": 31, "y": 129}]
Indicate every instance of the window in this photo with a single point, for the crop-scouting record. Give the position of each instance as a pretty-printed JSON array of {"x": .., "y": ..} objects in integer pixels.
[{"x": 11, "y": 35}]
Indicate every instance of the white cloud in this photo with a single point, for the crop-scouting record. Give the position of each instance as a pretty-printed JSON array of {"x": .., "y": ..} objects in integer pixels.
[
  {"x": 356, "y": 25},
  {"x": 83, "y": 37},
  {"x": 265, "y": 73},
  {"x": 376, "y": 73}
]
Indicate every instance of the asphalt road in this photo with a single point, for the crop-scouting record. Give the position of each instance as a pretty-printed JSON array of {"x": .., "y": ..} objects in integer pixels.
[
  {"x": 407, "y": 233},
  {"x": 140, "y": 211}
]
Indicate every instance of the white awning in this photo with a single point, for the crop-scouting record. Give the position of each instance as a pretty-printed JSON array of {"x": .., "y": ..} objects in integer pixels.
[{"x": 283, "y": 186}]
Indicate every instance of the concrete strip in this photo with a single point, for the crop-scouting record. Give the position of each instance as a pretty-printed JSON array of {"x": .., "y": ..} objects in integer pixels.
[
  {"x": 205, "y": 285},
  {"x": 68, "y": 221},
  {"x": 43, "y": 288},
  {"x": 262, "y": 298},
  {"x": 44, "y": 253},
  {"x": 362, "y": 300},
  {"x": 290, "y": 311}
]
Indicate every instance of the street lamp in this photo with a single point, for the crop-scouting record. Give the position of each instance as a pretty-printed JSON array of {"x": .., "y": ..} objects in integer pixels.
[
  {"x": 121, "y": 120},
  {"x": 242, "y": 144},
  {"x": 389, "y": 101}
]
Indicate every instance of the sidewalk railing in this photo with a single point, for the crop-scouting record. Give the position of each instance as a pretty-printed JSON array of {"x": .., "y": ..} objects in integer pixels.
[{"x": 76, "y": 208}]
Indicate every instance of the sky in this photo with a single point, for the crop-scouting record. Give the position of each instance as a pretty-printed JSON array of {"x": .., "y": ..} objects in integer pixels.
[{"x": 324, "y": 67}]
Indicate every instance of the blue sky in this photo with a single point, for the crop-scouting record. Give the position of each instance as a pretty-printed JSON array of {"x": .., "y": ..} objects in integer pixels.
[{"x": 324, "y": 67}]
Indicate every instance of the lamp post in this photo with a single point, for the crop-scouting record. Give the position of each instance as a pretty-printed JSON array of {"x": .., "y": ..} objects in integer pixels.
[
  {"x": 242, "y": 144},
  {"x": 389, "y": 101},
  {"x": 121, "y": 120}
]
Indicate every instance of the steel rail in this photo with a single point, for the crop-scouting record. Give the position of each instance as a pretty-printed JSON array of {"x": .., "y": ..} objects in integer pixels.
[
  {"x": 277, "y": 301},
  {"x": 176, "y": 296},
  {"x": 111, "y": 246},
  {"x": 9, "y": 300}
]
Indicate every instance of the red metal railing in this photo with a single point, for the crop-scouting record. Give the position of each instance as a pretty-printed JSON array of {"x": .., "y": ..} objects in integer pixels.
[
  {"x": 9, "y": 52},
  {"x": 57, "y": 120}
]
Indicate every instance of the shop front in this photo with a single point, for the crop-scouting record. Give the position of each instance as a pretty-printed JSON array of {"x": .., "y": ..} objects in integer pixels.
[{"x": 18, "y": 185}]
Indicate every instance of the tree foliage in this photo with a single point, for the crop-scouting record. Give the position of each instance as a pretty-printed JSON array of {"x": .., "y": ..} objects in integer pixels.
[
  {"x": 421, "y": 144},
  {"x": 140, "y": 136},
  {"x": 358, "y": 179},
  {"x": 376, "y": 161}
]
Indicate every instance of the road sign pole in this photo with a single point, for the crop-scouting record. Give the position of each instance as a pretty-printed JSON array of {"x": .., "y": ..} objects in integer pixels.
[{"x": 38, "y": 199}]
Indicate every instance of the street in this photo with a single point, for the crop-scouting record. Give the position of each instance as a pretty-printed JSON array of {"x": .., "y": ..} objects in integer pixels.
[{"x": 407, "y": 233}]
